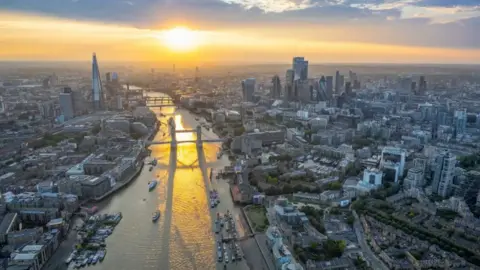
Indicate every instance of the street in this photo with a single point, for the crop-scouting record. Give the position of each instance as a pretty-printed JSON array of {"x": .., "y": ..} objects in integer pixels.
[{"x": 367, "y": 252}]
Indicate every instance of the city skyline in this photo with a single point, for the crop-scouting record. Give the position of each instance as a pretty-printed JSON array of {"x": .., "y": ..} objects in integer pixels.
[{"x": 255, "y": 31}]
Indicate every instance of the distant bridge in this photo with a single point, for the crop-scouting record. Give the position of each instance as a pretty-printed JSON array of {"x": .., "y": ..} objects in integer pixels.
[
  {"x": 173, "y": 136},
  {"x": 164, "y": 101}
]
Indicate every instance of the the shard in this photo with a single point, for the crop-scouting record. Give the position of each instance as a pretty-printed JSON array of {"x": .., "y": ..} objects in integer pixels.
[{"x": 97, "y": 89}]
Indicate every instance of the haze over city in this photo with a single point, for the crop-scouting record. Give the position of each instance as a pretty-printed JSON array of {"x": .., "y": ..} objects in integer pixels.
[
  {"x": 241, "y": 31},
  {"x": 239, "y": 134}
]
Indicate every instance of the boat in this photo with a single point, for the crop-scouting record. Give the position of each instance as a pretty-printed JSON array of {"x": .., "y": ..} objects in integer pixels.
[
  {"x": 156, "y": 216},
  {"x": 102, "y": 254},
  {"x": 95, "y": 259},
  {"x": 71, "y": 257},
  {"x": 152, "y": 184}
]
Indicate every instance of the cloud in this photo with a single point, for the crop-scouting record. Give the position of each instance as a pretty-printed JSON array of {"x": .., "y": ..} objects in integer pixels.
[
  {"x": 435, "y": 23},
  {"x": 449, "y": 3}
]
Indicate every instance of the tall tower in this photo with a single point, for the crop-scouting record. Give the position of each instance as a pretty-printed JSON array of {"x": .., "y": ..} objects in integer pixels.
[
  {"x": 197, "y": 78},
  {"x": 248, "y": 88},
  {"x": 277, "y": 87},
  {"x": 444, "y": 170},
  {"x": 300, "y": 67},
  {"x": 97, "y": 89},
  {"x": 337, "y": 82}
]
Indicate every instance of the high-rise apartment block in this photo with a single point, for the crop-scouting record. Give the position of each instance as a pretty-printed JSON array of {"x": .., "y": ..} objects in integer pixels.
[
  {"x": 460, "y": 122},
  {"x": 443, "y": 173}
]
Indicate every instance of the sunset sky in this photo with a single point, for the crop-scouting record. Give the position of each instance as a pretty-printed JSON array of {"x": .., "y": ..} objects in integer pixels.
[{"x": 247, "y": 31}]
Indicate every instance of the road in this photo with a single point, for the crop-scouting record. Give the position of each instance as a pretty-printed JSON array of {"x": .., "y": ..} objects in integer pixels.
[{"x": 375, "y": 262}]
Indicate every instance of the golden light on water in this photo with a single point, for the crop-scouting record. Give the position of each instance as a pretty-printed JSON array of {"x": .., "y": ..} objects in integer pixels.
[
  {"x": 183, "y": 136},
  {"x": 180, "y": 39}
]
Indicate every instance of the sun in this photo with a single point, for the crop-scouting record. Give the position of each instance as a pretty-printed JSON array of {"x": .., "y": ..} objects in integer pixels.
[{"x": 180, "y": 39}]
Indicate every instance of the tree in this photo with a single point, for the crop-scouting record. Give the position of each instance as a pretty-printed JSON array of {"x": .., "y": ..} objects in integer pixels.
[
  {"x": 350, "y": 219},
  {"x": 336, "y": 185}
]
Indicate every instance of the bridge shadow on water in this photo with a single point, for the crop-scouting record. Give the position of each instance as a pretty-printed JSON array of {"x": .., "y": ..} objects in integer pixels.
[{"x": 164, "y": 256}]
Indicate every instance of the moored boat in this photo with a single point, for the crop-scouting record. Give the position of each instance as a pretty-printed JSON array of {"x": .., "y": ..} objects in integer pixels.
[
  {"x": 155, "y": 216},
  {"x": 152, "y": 184}
]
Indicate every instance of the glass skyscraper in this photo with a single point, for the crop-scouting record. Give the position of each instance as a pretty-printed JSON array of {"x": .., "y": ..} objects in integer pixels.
[{"x": 97, "y": 89}]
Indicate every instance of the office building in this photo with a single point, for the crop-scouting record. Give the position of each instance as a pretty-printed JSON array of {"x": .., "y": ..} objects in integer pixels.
[
  {"x": 352, "y": 76},
  {"x": 422, "y": 85},
  {"x": 329, "y": 82},
  {"x": 404, "y": 84},
  {"x": 66, "y": 105},
  {"x": 248, "y": 88},
  {"x": 97, "y": 88},
  {"x": 108, "y": 77},
  {"x": 289, "y": 79},
  {"x": 337, "y": 82},
  {"x": 415, "y": 178},
  {"x": 276, "y": 87},
  {"x": 460, "y": 122},
  {"x": 322, "y": 93},
  {"x": 348, "y": 88},
  {"x": 391, "y": 171},
  {"x": 79, "y": 103},
  {"x": 47, "y": 109},
  {"x": 114, "y": 77},
  {"x": 372, "y": 177},
  {"x": 341, "y": 83},
  {"x": 443, "y": 173},
  {"x": 394, "y": 155},
  {"x": 300, "y": 67}
]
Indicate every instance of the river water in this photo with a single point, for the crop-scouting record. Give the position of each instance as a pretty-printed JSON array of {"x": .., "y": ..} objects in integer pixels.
[{"x": 183, "y": 237}]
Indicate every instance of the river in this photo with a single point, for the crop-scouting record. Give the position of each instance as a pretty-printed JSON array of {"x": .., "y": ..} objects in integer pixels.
[{"x": 183, "y": 237}]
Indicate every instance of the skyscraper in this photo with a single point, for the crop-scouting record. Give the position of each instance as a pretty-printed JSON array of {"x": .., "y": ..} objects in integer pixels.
[
  {"x": 337, "y": 82},
  {"x": 289, "y": 78},
  {"x": 329, "y": 80},
  {"x": 342, "y": 83},
  {"x": 115, "y": 77},
  {"x": 97, "y": 88},
  {"x": 460, "y": 122},
  {"x": 348, "y": 88},
  {"x": 108, "y": 76},
  {"x": 422, "y": 85},
  {"x": 322, "y": 89},
  {"x": 444, "y": 170},
  {"x": 248, "y": 88},
  {"x": 277, "y": 87},
  {"x": 66, "y": 104},
  {"x": 300, "y": 67}
]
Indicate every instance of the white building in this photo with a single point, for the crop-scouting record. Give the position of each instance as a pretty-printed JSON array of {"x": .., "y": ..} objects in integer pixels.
[
  {"x": 395, "y": 155},
  {"x": 372, "y": 176}
]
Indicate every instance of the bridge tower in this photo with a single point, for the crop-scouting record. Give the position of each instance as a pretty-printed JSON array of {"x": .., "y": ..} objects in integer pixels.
[{"x": 199, "y": 136}]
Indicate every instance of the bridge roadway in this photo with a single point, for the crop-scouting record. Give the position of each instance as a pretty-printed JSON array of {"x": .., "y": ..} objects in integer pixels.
[{"x": 173, "y": 135}]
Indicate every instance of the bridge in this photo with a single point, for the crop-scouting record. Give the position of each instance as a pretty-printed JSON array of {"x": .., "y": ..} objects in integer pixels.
[
  {"x": 164, "y": 101},
  {"x": 173, "y": 135}
]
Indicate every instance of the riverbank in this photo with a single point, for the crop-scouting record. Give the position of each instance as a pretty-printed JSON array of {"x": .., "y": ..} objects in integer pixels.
[{"x": 119, "y": 186}]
